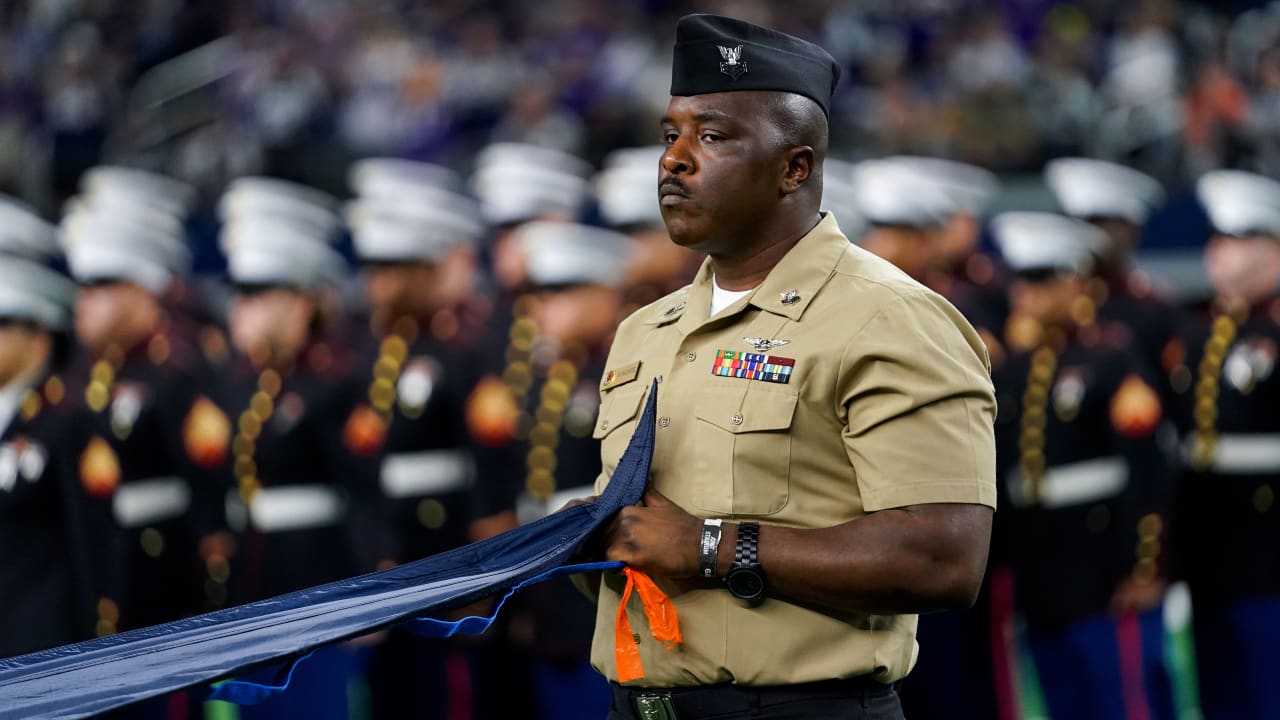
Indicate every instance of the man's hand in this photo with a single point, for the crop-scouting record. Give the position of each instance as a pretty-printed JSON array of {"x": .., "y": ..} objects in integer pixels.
[{"x": 657, "y": 537}]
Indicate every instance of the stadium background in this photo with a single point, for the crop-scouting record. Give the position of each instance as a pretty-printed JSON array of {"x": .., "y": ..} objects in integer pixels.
[{"x": 297, "y": 89}]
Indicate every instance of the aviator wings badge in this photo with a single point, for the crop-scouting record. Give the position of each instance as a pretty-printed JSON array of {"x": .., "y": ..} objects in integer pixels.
[
  {"x": 764, "y": 345},
  {"x": 733, "y": 66}
]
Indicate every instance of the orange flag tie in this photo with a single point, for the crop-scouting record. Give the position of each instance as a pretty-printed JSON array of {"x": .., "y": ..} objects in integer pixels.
[{"x": 663, "y": 623}]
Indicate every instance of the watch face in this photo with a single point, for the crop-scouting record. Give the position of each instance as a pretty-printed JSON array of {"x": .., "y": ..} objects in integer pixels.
[{"x": 745, "y": 583}]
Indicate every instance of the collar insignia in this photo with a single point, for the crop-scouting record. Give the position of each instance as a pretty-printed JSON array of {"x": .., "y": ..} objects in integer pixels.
[{"x": 790, "y": 297}]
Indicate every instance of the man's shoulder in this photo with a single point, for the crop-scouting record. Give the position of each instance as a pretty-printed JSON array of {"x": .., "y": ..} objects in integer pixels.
[{"x": 866, "y": 281}]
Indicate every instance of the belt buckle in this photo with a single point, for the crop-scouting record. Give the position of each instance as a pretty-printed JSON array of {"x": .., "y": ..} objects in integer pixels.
[{"x": 654, "y": 706}]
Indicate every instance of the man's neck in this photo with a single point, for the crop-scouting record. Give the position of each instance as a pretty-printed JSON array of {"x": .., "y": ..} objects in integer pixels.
[{"x": 748, "y": 268}]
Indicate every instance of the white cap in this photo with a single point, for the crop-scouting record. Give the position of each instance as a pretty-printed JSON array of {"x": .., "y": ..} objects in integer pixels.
[
  {"x": 1241, "y": 203},
  {"x": 113, "y": 183},
  {"x": 627, "y": 189},
  {"x": 375, "y": 177},
  {"x": 387, "y": 231},
  {"x": 516, "y": 182},
  {"x": 24, "y": 233},
  {"x": 267, "y": 250},
  {"x": 1088, "y": 188},
  {"x": 1046, "y": 241},
  {"x": 511, "y": 194},
  {"x": 294, "y": 203},
  {"x": 510, "y": 153},
  {"x": 969, "y": 187},
  {"x": 646, "y": 156},
  {"x": 562, "y": 253},
  {"x": 101, "y": 245},
  {"x": 891, "y": 193},
  {"x": 128, "y": 211},
  {"x": 840, "y": 195},
  {"x": 31, "y": 291}
]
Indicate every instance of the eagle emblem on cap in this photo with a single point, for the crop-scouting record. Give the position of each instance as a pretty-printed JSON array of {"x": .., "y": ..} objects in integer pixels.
[
  {"x": 732, "y": 65},
  {"x": 763, "y": 345}
]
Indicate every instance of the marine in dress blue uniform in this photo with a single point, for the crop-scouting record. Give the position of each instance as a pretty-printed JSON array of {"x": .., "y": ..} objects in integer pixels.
[
  {"x": 48, "y": 521},
  {"x": 575, "y": 274},
  {"x": 1226, "y": 524},
  {"x": 441, "y": 485},
  {"x": 153, "y": 438},
  {"x": 1084, "y": 483},
  {"x": 1118, "y": 200},
  {"x": 302, "y": 496}
]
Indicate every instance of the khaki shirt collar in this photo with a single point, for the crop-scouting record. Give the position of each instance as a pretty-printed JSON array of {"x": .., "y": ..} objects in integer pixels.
[{"x": 787, "y": 290}]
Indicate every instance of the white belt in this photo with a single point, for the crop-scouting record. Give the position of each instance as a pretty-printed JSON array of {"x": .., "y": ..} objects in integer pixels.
[
  {"x": 144, "y": 502},
  {"x": 1074, "y": 483},
  {"x": 1244, "y": 453},
  {"x": 290, "y": 507},
  {"x": 431, "y": 472}
]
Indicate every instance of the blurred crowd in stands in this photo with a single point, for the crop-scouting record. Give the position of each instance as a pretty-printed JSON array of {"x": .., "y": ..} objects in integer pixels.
[{"x": 298, "y": 88}]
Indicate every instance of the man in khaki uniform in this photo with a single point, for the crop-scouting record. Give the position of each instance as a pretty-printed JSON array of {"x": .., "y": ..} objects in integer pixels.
[{"x": 834, "y": 415}]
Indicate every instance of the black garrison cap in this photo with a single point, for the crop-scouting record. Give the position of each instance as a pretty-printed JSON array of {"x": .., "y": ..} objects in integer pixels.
[{"x": 718, "y": 54}]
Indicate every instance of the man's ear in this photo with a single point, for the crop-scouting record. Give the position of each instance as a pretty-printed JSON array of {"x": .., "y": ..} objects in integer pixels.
[{"x": 799, "y": 165}]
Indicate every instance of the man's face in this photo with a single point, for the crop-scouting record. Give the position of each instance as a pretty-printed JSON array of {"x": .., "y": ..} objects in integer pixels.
[
  {"x": 1047, "y": 299},
  {"x": 107, "y": 313},
  {"x": 1247, "y": 268},
  {"x": 17, "y": 344},
  {"x": 399, "y": 288},
  {"x": 1122, "y": 238},
  {"x": 581, "y": 314},
  {"x": 910, "y": 249},
  {"x": 272, "y": 324},
  {"x": 721, "y": 173}
]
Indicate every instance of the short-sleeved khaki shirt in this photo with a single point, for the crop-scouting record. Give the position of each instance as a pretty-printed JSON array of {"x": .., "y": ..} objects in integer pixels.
[{"x": 888, "y": 403}]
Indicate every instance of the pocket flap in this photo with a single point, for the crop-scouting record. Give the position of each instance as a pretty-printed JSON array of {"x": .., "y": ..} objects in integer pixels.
[
  {"x": 618, "y": 408},
  {"x": 757, "y": 412}
]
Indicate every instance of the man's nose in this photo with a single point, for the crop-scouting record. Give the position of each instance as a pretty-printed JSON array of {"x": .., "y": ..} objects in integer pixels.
[{"x": 676, "y": 160}]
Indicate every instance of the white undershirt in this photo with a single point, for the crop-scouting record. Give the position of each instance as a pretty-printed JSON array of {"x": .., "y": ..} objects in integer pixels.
[{"x": 721, "y": 298}]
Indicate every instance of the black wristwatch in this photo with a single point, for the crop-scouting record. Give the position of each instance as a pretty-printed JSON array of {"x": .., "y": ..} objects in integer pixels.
[{"x": 746, "y": 578}]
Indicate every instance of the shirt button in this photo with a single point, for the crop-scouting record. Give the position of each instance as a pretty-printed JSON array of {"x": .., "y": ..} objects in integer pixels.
[
  {"x": 736, "y": 419},
  {"x": 664, "y": 421},
  {"x": 691, "y": 356},
  {"x": 604, "y": 424}
]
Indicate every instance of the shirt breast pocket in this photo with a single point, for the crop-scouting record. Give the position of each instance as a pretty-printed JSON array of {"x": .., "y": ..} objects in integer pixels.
[
  {"x": 618, "y": 408},
  {"x": 743, "y": 452}
]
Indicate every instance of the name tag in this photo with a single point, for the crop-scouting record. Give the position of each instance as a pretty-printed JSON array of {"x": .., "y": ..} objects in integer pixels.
[{"x": 620, "y": 376}]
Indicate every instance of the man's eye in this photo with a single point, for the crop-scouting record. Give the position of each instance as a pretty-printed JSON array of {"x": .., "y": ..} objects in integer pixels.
[
  {"x": 711, "y": 138},
  {"x": 669, "y": 137}
]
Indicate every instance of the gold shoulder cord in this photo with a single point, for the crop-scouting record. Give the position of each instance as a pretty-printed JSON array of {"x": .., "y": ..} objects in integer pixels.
[
  {"x": 98, "y": 393},
  {"x": 386, "y": 369},
  {"x": 1035, "y": 402},
  {"x": 518, "y": 373},
  {"x": 248, "y": 428},
  {"x": 1205, "y": 440}
]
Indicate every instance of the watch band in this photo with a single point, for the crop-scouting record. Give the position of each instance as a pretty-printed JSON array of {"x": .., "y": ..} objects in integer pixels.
[
  {"x": 746, "y": 551},
  {"x": 709, "y": 547}
]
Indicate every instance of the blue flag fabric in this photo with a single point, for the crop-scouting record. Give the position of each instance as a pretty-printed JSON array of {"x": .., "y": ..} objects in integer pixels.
[{"x": 99, "y": 675}]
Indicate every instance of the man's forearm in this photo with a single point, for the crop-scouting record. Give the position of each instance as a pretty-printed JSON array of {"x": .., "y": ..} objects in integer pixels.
[{"x": 917, "y": 559}]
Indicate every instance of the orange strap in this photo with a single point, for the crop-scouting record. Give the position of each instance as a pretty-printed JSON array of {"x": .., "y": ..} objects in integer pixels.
[{"x": 663, "y": 623}]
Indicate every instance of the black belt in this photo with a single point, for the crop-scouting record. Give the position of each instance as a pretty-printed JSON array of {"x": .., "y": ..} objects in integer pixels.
[{"x": 710, "y": 700}]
